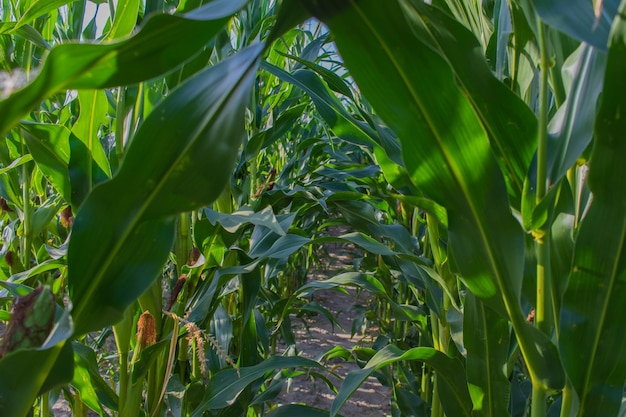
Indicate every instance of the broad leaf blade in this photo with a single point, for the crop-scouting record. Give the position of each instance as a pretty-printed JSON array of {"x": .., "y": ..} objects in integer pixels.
[
  {"x": 50, "y": 147},
  {"x": 448, "y": 158},
  {"x": 509, "y": 122},
  {"x": 592, "y": 339},
  {"x": 160, "y": 177}
]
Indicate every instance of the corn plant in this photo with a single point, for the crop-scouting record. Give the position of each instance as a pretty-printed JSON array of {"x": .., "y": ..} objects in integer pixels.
[{"x": 204, "y": 148}]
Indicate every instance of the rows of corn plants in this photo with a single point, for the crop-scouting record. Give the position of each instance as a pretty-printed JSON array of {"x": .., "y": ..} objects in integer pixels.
[{"x": 170, "y": 174}]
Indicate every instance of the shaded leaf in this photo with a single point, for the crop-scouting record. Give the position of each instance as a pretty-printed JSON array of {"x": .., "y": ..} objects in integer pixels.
[{"x": 592, "y": 341}]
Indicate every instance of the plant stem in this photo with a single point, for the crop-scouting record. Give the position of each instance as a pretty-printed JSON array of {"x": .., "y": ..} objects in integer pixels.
[
  {"x": 542, "y": 237},
  {"x": 27, "y": 241},
  {"x": 119, "y": 124},
  {"x": 436, "y": 410},
  {"x": 538, "y": 406}
]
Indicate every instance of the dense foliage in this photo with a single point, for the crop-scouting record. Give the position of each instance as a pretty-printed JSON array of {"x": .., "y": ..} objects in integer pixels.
[{"x": 170, "y": 172}]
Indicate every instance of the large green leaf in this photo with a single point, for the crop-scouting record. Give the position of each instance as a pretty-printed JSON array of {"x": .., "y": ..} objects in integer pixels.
[
  {"x": 487, "y": 345},
  {"x": 577, "y": 18},
  {"x": 163, "y": 44},
  {"x": 455, "y": 397},
  {"x": 178, "y": 161},
  {"x": 509, "y": 122},
  {"x": 447, "y": 153},
  {"x": 592, "y": 338}
]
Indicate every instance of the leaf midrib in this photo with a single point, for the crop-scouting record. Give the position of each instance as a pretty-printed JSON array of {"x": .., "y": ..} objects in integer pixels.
[
  {"x": 137, "y": 218},
  {"x": 458, "y": 178}
]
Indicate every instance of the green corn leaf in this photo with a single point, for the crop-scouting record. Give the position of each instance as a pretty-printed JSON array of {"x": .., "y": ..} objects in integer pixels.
[
  {"x": 125, "y": 19},
  {"x": 571, "y": 128},
  {"x": 487, "y": 345},
  {"x": 87, "y": 380},
  {"x": 455, "y": 397},
  {"x": 110, "y": 264},
  {"x": 164, "y": 43},
  {"x": 509, "y": 122},
  {"x": 49, "y": 146},
  {"x": 39, "y": 8},
  {"x": 577, "y": 19},
  {"x": 335, "y": 115},
  {"x": 231, "y": 222},
  {"x": 26, "y": 373},
  {"x": 592, "y": 339},
  {"x": 226, "y": 385},
  {"x": 447, "y": 153},
  {"x": 93, "y": 109}
]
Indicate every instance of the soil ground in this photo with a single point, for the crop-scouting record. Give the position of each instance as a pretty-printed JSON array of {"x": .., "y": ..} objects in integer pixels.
[{"x": 312, "y": 340}]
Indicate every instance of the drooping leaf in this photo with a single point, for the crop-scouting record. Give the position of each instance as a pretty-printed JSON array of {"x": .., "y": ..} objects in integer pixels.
[
  {"x": 164, "y": 43},
  {"x": 226, "y": 385},
  {"x": 160, "y": 177},
  {"x": 335, "y": 115},
  {"x": 592, "y": 341},
  {"x": 455, "y": 397},
  {"x": 245, "y": 215}
]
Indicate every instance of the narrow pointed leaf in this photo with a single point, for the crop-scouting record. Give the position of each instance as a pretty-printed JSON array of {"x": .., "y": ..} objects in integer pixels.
[
  {"x": 592, "y": 338},
  {"x": 160, "y": 177}
]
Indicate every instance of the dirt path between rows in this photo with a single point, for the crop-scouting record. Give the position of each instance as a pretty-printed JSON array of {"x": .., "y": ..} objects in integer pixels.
[{"x": 318, "y": 336}]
